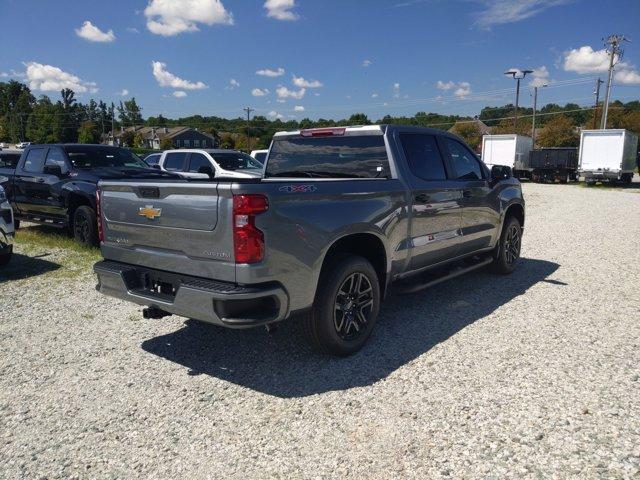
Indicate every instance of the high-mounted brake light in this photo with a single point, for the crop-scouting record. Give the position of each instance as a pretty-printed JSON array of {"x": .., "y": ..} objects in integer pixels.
[
  {"x": 99, "y": 215},
  {"x": 248, "y": 241},
  {"x": 323, "y": 132}
]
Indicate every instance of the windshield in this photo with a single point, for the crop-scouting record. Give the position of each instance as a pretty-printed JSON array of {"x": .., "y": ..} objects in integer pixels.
[
  {"x": 329, "y": 157},
  {"x": 235, "y": 161},
  {"x": 103, "y": 157}
]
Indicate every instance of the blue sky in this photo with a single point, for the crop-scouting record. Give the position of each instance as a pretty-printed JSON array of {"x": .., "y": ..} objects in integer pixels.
[{"x": 326, "y": 58}]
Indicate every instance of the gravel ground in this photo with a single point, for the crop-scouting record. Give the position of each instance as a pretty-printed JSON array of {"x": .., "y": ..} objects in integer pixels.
[{"x": 528, "y": 376}]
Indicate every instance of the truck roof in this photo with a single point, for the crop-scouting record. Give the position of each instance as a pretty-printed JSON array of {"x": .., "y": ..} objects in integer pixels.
[{"x": 355, "y": 130}]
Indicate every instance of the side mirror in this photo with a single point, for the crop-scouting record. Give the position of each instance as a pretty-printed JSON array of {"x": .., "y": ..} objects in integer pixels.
[
  {"x": 500, "y": 172},
  {"x": 207, "y": 170},
  {"x": 53, "y": 170}
]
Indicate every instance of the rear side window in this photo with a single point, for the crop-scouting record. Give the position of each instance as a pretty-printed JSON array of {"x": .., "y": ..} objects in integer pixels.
[
  {"x": 9, "y": 160},
  {"x": 198, "y": 161},
  {"x": 35, "y": 160},
  {"x": 464, "y": 162},
  {"x": 175, "y": 161},
  {"x": 56, "y": 157},
  {"x": 329, "y": 157},
  {"x": 423, "y": 156}
]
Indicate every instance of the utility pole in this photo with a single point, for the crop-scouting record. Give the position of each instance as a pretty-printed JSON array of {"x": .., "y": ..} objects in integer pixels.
[
  {"x": 596, "y": 92},
  {"x": 248, "y": 110},
  {"x": 533, "y": 121},
  {"x": 615, "y": 54},
  {"x": 113, "y": 126},
  {"x": 517, "y": 75}
]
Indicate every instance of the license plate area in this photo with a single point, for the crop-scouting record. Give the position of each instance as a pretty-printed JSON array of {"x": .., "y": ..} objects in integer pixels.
[{"x": 150, "y": 283}]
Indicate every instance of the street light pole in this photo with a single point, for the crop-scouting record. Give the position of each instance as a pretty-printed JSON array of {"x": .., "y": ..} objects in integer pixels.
[
  {"x": 517, "y": 75},
  {"x": 248, "y": 110},
  {"x": 596, "y": 92}
]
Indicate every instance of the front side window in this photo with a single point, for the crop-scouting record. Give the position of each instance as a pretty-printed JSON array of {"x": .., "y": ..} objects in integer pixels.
[
  {"x": 152, "y": 159},
  {"x": 423, "y": 156},
  {"x": 353, "y": 156},
  {"x": 35, "y": 160},
  {"x": 198, "y": 161},
  {"x": 464, "y": 162},
  {"x": 261, "y": 157},
  {"x": 175, "y": 161}
]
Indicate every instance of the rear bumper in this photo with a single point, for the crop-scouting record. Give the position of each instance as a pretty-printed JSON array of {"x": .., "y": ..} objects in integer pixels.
[
  {"x": 605, "y": 174},
  {"x": 220, "y": 303}
]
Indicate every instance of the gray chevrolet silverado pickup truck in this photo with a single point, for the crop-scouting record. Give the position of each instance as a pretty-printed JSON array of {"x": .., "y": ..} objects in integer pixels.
[{"x": 340, "y": 215}]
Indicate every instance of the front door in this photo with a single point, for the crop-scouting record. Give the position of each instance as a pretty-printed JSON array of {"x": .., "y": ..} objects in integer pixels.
[
  {"x": 436, "y": 203},
  {"x": 481, "y": 208},
  {"x": 29, "y": 191}
]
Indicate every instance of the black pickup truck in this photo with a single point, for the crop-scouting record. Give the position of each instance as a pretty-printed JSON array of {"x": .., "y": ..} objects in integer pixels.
[{"x": 56, "y": 184}]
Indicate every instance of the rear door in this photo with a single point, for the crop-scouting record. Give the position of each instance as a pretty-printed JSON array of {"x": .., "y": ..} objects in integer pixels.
[
  {"x": 30, "y": 191},
  {"x": 481, "y": 210},
  {"x": 436, "y": 204}
]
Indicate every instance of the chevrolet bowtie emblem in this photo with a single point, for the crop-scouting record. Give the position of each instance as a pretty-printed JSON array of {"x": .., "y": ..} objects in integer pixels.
[{"x": 149, "y": 212}]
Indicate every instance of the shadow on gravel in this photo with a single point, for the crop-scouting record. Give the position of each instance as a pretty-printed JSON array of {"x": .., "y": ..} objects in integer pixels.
[
  {"x": 282, "y": 365},
  {"x": 22, "y": 266}
]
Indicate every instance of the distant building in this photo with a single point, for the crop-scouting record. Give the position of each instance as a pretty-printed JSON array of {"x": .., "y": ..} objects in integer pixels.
[{"x": 180, "y": 136}]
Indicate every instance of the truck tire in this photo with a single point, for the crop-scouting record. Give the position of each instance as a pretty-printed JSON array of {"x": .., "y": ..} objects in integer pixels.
[
  {"x": 85, "y": 226},
  {"x": 16, "y": 223},
  {"x": 345, "y": 309},
  {"x": 4, "y": 259},
  {"x": 507, "y": 252}
]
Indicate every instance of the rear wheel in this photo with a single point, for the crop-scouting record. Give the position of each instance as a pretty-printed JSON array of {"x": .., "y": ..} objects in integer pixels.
[
  {"x": 346, "y": 307},
  {"x": 507, "y": 253},
  {"x": 85, "y": 226},
  {"x": 5, "y": 257}
]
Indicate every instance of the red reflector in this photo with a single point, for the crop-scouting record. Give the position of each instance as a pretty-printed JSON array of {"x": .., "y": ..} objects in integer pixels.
[
  {"x": 248, "y": 241},
  {"x": 99, "y": 215},
  {"x": 323, "y": 132}
]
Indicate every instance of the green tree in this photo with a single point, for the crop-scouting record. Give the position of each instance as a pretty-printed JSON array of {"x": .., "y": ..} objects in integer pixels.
[
  {"x": 558, "y": 132},
  {"x": 88, "y": 132},
  {"x": 127, "y": 138},
  {"x": 130, "y": 113},
  {"x": 470, "y": 133},
  {"x": 166, "y": 144},
  {"x": 138, "y": 140},
  {"x": 227, "y": 141},
  {"x": 16, "y": 104}
]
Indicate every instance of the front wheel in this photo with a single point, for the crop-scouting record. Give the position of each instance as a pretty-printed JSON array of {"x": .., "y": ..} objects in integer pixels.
[
  {"x": 507, "y": 253},
  {"x": 345, "y": 309}
]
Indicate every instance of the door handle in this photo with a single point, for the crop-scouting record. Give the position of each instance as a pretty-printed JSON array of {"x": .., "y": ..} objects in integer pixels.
[
  {"x": 466, "y": 193},
  {"x": 422, "y": 198}
]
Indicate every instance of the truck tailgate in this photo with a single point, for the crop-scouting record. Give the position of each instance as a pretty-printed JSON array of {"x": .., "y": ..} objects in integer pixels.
[{"x": 172, "y": 226}]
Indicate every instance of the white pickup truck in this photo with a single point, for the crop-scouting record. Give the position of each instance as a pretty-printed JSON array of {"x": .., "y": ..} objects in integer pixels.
[{"x": 209, "y": 163}]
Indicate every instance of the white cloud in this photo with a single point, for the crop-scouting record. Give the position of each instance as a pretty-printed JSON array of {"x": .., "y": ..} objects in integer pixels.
[
  {"x": 627, "y": 77},
  {"x": 499, "y": 12},
  {"x": 259, "y": 92},
  {"x": 374, "y": 95},
  {"x": 124, "y": 92},
  {"x": 463, "y": 90},
  {"x": 233, "y": 84},
  {"x": 284, "y": 92},
  {"x": 540, "y": 76},
  {"x": 587, "y": 60},
  {"x": 267, "y": 72},
  {"x": 396, "y": 90},
  {"x": 281, "y": 9},
  {"x": 48, "y": 78},
  {"x": 172, "y": 17},
  {"x": 167, "y": 79},
  {"x": 298, "y": 108},
  {"x": 274, "y": 114},
  {"x": 302, "y": 83},
  {"x": 90, "y": 32},
  {"x": 367, "y": 63},
  {"x": 281, "y": 100},
  {"x": 133, "y": 30},
  {"x": 445, "y": 85},
  {"x": 179, "y": 94}
]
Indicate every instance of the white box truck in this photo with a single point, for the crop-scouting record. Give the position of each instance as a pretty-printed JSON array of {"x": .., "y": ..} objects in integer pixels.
[
  {"x": 509, "y": 150},
  {"x": 608, "y": 155}
]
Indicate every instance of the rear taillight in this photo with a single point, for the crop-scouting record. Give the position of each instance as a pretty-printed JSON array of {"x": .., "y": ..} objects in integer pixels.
[
  {"x": 247, "y": 239},
  {"x": 323, "y": 132},
  {"x": 99, "y": 215}
]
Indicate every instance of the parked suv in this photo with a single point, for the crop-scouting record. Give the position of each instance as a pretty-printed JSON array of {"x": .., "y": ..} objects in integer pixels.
[
  {"x": 341, "y": 215},
  {"x": 6, "y": 226},
  {"x": 56, "y": 184},
  {"x": 196, "y": 163}
]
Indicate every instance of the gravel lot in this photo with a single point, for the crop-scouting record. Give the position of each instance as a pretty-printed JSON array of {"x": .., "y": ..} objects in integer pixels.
[{"x": 527, "y": 376}]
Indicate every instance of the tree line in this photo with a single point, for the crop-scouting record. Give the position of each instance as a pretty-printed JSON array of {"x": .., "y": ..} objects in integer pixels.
[{"x": 23, "y": 117}]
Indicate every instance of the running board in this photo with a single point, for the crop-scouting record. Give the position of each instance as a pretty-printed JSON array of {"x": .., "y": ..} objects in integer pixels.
[
  {"x": 413, "y": 288},
  {"x": 57, "y": 223}
]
